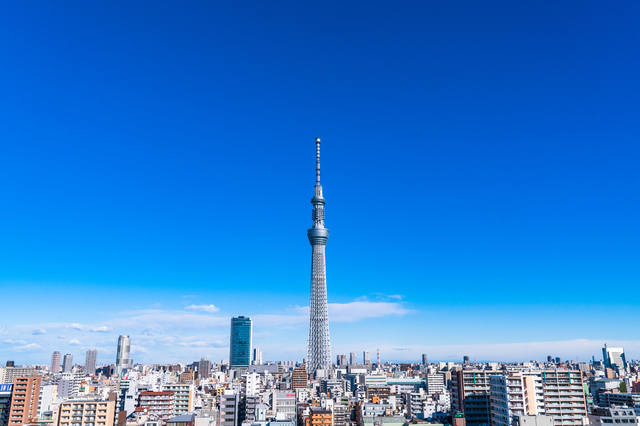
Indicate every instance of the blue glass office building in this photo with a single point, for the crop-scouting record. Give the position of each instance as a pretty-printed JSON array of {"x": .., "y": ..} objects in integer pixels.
[{"x": 240, "y": 345}]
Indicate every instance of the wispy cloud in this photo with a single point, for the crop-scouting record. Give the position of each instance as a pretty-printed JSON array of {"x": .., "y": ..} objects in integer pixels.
[
  {"x": 74, "y": 326},
  {"x": 28, "y": 348},
  {"x": 38, "y": 331},
  {"x": 15, "y": 342},
  {"x": 74, "y": 342},
  {"x": 205, "y": 308},
  {"x": 102, "y": 329}
]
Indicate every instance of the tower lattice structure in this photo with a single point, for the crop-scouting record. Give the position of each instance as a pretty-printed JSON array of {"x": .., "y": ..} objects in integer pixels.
[{"x": 319, "y": 348}]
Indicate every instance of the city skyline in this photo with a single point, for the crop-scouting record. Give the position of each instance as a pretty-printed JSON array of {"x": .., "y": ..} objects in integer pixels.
[{"x": 481, "y": 165}]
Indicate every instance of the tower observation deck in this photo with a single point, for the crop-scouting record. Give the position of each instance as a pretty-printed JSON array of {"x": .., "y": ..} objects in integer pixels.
[{"x": 319, "y": 347}]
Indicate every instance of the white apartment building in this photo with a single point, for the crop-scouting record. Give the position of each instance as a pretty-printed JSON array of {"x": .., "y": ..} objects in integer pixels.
[{"x": 517, "y": 394}]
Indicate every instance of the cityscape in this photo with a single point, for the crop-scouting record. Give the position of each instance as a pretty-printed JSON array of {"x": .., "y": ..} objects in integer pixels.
[{"x": 476, "y": 164}]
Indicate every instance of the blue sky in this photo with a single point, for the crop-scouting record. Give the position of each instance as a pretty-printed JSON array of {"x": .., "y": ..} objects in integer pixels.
[{"x": 479, "y": 166}]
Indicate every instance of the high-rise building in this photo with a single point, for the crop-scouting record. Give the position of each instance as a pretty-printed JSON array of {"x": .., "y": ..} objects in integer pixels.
[
  {"x": 470, "y": 395},
  {"x": 204, "y": 369},
  {"x": 319, "y": 349},
  {"x": 257, "y": 357},
  {"x": 564, "y": 396},
  {"x": 465, "y": 359},
  {"x": 299, "y": 378},
  {"x": 516, "y": 394},
  {"x": 55, "y": 362},
  {"x": 90, "y": 362},
  {"x": 613, "y": 358},
  {"x": 240, "y": 342},
  {"x": 24, "y": 401},
  {"x": 123, "y": 353},
  {"x": 366, "y": 357},
  {"x": 229, "y": 408},
  {"x": 424, "y": 359},
  {"x": 341, "y": 360},
  {"x": 67, "y": 363},
  {"x": 352, "y": 359}
]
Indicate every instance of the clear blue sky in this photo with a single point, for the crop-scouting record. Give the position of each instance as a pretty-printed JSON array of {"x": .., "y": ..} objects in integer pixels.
[{"x": 480, "y": 165}]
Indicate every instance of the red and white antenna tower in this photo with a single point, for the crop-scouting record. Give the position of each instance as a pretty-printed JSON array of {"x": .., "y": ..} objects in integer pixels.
[{"x": 378, "y": 357}]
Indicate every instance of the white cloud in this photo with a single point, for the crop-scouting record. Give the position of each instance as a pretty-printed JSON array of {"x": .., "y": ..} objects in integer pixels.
[
  {"x": 214, "y": 344},
  {"x": 205, "y": 308},
  {"x": 4, "y": 330},
  {"x": 102, "y": 329},
  {"x": 29, "y": 347},
  {"x": 38, "y": 331},
  {"x": 138, "y": 350},
  {"x": 75, "y": 326},
  {"x": 61, "y": 337},
  {"x": 74, "y": 342},
  {"x": 356, "y": 311},
  {"x": 15, "y": 342}
]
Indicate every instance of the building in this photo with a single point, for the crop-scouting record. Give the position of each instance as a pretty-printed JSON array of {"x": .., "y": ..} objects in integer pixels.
[
  {"x": 67, "y": 363},
  {"x": 248, "y": 406},
  {"x": 229, "y": 404},
  {"x": 538, "y": 420},
  {"x": 436, "y": 383},
  {"x": 564, "y": 396},
  {"x": 602, "y": 416},
  {"x": 90, "y": 362},
  {"x": 341, "y": 360},
  {"x": 465, "y": 359},
  {"x": 5, "y": 403},
  {"x": 352, "y": 359},
  {"x": 24, "y": 401},
  {"x": 87, "y": 412},
  {"x": 55, "y": 362},
  {"x": 184, "y": 398},
  {"x": 123, "y": 360},
  {"x": 614, "y": 358},
  {"x": 10, "y": 373},
  {"x": 48, "y": 396},
  {"x": 183, "y": 420},
  {"x": 257, "y": 357},
  {"x": 319, "y": 349},
  {"x": 159, "y": 404},
  {"x": 320, "y": 417},
  {"x": 240, "y": 342},
  {"x": 69, "y": 384},
  {"x": 284, "y": 405},
  {"x": 515, "y": 394},
  {"x": 204, "y": 369},
  {"x": 299, "y": 378},
  {"x": 341, "y": 415},
  {"x": 250, "y": 384},
  {"x": 366, "y": 357},
  {"x": 470, "y": 395},
  {"x": 611, "y": 399},
  {"x": 424, "y": 359}
]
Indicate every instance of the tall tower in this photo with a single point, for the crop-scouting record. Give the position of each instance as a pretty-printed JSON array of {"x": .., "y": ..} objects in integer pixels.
[
  {"x": 122, "y": 355},
  {"x": 67, "y": 363},
  {"x": 240, "y": 342},
  {"x": 55, "y": 362},
  {"x": 319, "y": 350},
  {"x": 90, "y": 362}
]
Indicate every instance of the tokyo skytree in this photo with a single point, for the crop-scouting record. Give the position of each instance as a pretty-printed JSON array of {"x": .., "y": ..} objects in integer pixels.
[{"x": 319, "y": 349}]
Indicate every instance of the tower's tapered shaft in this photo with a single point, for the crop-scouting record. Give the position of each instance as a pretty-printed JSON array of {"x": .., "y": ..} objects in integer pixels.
[{"x": 319, "y": 349}]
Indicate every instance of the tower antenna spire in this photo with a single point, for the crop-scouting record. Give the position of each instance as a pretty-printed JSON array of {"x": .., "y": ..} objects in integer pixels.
[{"x": 317, "y": 161}]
